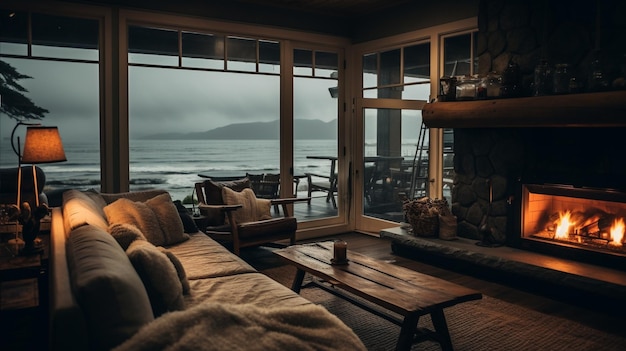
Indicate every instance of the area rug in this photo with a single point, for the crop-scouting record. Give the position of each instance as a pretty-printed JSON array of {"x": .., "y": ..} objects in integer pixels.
[{"x": 487, "y": 324}]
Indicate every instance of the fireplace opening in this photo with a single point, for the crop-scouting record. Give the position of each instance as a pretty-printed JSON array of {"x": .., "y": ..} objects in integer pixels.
[{"x": 582, "y": 223}]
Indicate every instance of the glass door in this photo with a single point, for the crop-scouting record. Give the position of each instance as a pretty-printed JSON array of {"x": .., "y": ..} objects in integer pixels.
[
  {"x": 393, "y": 145},
  {"x": 317, "y": 160}
]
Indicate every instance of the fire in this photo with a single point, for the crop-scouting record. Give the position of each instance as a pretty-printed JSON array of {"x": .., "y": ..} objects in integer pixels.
[
  {"x": 617, "y": 232},
  {"x": 563, "y": 225}
]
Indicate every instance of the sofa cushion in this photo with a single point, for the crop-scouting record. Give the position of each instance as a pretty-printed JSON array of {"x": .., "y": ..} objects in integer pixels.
[
  {"x": 81, "y": 208},
  {"x": 246, "y": 198},
  {"x": 107, "y": 287},
  {"x": 157, "y": 218},
  {"x": 204, "y": 258},
  {"x": 158, "y": 275},
  {"x": 125, "y": 234},
  {"x": 247, "y": 288}
]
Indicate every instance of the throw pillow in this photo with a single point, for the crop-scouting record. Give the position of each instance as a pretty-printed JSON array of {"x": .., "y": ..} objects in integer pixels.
[
  {"x": 169, "y": 220},
  {"x": 263, "y": 209},
  {"x": 188, "y": 223},
  {"x": 125, "y": 234},
  {"x": 180, "y": 270},
  {"x": 157, "y": 218},
  {"x": 246, "y": 198},
  {"x": 158, "y": 275},
  {"x": 213, "y": 196},
  {"x": 213, "y": 190},
  {"x": 138, "y": 214}
]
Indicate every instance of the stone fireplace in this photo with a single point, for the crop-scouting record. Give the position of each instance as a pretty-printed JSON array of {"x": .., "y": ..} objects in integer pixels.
[
  {"x": 559, "y": 149},
  {"x": 517, "y": 180}
]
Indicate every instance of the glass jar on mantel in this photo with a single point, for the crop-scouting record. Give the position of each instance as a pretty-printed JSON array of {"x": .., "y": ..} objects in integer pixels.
[
  {"x": 561, "y": 78},
  {"x": 494, "y": 85}
]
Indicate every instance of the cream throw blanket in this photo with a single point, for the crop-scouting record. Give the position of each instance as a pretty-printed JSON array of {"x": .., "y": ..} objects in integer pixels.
[{"x": 212, "y": 326}]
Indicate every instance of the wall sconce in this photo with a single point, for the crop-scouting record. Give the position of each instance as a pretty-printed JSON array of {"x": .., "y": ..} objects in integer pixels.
[
  {"x": 41, "y": 145},
  {"x": 334, "y": 91}
]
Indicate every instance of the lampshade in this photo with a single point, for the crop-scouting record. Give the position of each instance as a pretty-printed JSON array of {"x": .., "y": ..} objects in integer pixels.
[{"x": 43, "y": 145}]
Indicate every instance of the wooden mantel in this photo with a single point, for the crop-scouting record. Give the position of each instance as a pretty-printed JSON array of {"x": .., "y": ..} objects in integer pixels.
[{"x": 603, "y": 109}]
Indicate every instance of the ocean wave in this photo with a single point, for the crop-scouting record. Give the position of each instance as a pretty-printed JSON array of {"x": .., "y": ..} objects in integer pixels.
[
  {"x": 146, "y": 181},
  {"x": 73, "y": 182}
]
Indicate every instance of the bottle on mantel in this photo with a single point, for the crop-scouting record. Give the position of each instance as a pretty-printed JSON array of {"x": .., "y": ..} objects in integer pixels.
[
  {"x": 542, "y": 83},
  {"x": 511, "y": 80},
  {"x": 598, "y": 80}
]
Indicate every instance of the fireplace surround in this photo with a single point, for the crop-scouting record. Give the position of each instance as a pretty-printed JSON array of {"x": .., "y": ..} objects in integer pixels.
[{"x": 502, "y": 158}]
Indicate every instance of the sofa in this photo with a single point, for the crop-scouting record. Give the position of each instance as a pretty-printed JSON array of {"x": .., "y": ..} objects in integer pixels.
[{"x": 129, "y": 271}]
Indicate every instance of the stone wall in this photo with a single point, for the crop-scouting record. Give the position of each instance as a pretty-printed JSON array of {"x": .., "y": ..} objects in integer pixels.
[
  {"x": 571, "y": 32},
  {"x": 524, "y": 32}
]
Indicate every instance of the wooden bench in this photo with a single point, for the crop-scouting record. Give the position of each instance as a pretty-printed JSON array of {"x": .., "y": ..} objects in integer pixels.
[{"x": 396, "y": 289}]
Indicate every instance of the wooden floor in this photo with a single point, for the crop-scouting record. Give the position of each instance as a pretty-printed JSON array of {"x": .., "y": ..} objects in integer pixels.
[
  {"x": 320, "y": 208},
  {"x": 381, "y": 249}
]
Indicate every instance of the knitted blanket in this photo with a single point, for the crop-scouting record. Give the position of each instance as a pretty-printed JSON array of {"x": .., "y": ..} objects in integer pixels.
[{"x": 212, "y": 326}]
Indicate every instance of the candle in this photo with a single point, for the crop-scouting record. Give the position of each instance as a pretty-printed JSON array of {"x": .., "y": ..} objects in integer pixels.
[{"x": 340, "y": 251}]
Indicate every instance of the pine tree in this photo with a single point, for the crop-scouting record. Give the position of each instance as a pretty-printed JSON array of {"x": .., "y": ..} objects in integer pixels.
[{"x": 14, "y": 103}]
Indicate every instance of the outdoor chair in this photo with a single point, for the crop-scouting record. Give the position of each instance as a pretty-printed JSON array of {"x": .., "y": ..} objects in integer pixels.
[
  {"x": 327, "y": 184},
  {"x": 265, "y": 186},
  {"x": 237, "y": 218}
]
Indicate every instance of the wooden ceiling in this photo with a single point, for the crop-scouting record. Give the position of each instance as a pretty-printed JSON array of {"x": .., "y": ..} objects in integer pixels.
[{"x": 341, "y": 8}]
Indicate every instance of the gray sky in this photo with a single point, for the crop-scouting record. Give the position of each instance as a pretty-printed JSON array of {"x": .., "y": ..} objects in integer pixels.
[{"x": 163, "y": 100}]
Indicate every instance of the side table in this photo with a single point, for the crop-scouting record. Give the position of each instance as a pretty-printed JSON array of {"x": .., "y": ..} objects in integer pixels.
[{"x": 14, "y": 267}]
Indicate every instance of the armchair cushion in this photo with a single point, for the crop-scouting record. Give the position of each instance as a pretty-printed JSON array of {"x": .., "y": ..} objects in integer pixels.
[
  {"x": 213, "y": 196},
  {"x": 263, "y": 207},
  {"x": 246, "y": 198}
]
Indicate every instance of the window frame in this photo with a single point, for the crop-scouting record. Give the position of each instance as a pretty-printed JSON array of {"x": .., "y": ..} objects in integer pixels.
[
  {"x": 433, "y": 35},
  {"x": 288, "y": 41}
]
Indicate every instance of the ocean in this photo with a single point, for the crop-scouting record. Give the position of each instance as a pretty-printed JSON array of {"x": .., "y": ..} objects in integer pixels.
[{"x": 174, "y": 165}]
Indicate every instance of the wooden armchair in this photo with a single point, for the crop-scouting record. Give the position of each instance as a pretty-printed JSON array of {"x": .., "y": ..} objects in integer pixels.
[{"x": 237, "y": 218}]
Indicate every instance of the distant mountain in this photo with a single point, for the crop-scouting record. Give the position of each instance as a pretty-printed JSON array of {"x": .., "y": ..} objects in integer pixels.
[{"x": 304, "y": 129}]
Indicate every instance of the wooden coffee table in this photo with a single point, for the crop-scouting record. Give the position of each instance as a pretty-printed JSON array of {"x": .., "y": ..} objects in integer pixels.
[{"x": 396, "y": 289}]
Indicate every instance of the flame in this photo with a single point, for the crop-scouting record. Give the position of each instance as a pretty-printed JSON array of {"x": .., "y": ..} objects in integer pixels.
[
  {"x": 563, "y": 225},
  {"x": 617, "y": 231}
]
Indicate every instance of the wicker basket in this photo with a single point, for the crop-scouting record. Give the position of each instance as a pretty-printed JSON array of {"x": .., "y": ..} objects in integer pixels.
[{"x": 425, "y": 225}]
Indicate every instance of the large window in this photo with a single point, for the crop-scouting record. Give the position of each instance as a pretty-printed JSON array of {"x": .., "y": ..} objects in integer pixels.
[
  {"x": 59, "y": 61},
  {"x": 201, "y": 104}
]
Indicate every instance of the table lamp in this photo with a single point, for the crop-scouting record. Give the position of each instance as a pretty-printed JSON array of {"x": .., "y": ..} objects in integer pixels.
[{"x": 41, "y": 145}]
